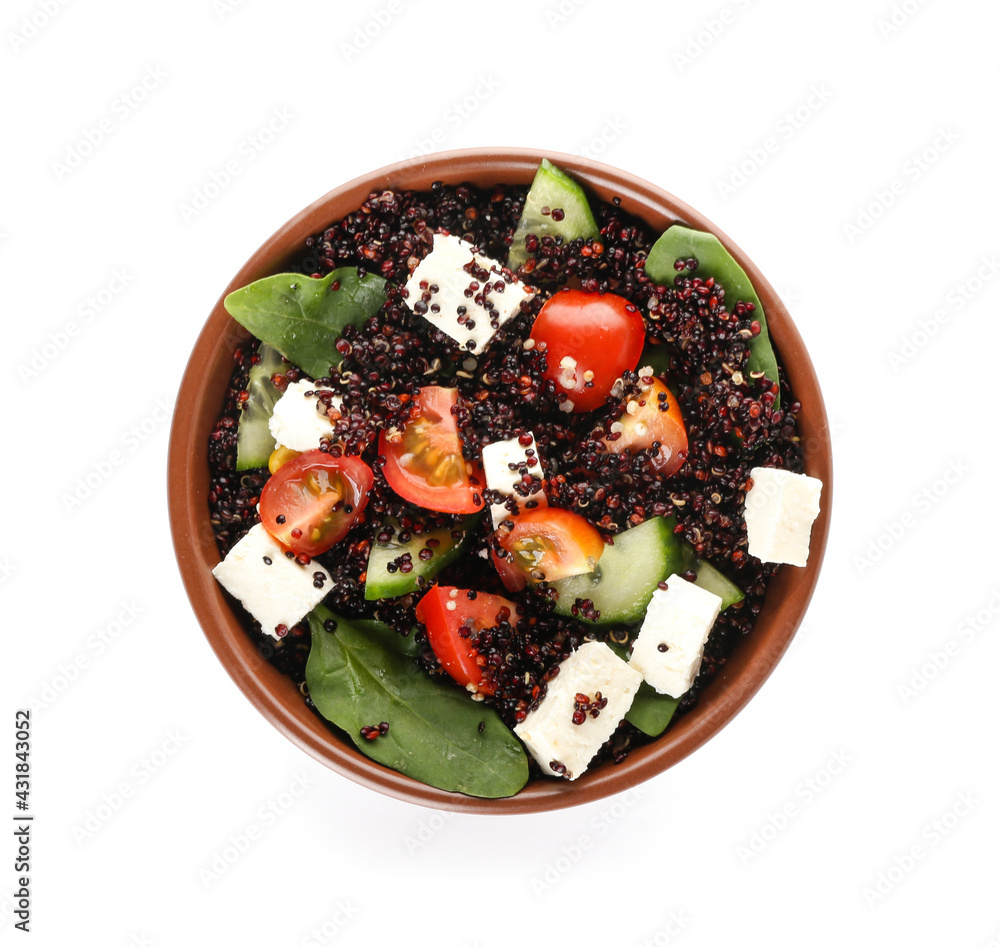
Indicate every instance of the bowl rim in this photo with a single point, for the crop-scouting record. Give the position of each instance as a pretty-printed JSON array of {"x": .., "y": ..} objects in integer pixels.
[{"x": 274, "y": 695}]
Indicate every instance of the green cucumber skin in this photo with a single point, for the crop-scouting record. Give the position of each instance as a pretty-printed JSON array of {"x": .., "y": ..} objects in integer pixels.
[
  {"x": 712, "y": 580},
  {"x": 552, "y": 187},
  {"x": 641, "y": 557},
  {"x": 254, "y": 443},
  {"x": 380, "y": 583}
]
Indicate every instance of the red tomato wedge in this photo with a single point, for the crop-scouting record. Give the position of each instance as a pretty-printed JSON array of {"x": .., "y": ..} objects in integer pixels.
[
  {"x": 656, "y": 418},
  {"x": 590, "y": 339},
  {"x": 546, "y": 544},
  {"x": 314, "y": 499},
  {"x": 451, "y": 617},
  {"x": 424, "y": 462}
]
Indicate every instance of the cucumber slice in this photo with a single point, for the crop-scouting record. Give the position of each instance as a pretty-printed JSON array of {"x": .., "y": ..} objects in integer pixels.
[
  {"x": 254, "y": 443},
  {"x": 712, "y": 580},
  {"x": 627, "y": 573},
  {"x": 381, "y": 582},
  {"x": 552, "y": 188}
]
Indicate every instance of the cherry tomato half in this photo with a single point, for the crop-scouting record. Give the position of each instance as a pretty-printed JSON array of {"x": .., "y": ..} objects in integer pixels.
[
  {"x": 590, "y": 339},
  {"x": 451, "y": 618},
  {"x": 314, "y": 499},
  {"x": 546, "y": 544},
  {"x": 655, "y": 418},
  {"x": 424, "y": 463}
]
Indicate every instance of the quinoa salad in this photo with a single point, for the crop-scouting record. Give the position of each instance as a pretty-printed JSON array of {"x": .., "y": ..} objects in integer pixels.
[{"x": 502, "y": 475}]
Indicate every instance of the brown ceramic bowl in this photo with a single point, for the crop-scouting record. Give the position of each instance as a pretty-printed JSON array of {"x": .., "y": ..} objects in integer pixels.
[{"x": 275, "y": 696}]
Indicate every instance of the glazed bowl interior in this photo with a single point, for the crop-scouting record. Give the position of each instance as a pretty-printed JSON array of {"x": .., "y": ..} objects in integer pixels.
[{"x": 276, "y": 696}]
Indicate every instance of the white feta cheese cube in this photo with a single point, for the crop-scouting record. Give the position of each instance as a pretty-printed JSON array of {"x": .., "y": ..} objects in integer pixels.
[
  {"x": 562, "y": 747},
  {"x": 300, "y": 420},
  {"x": 781, "y": 507},
  {"x": 272, "y": 587},
  {"x": 670, "y": 644},
  {"x": 463, "y": 293},
  {"x": 505, "y": 463}
]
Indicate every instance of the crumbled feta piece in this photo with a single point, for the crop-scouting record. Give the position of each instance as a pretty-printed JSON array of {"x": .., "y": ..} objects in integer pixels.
[
  {"x": 273, "y": 588},
  {"x": 781, "y": 507},
  {"x": 300, "y": 420},
  {"x": 562, "y": 747},
  {"x": 505, "y": 463},
  {"x": 463, "y": 293},
  {"x": 670, "y": 644}
]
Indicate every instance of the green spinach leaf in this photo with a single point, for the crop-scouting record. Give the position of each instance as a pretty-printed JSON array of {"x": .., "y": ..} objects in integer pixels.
[
  {"x": 363, "y": 673},
  {"x": 678, "y": 242},
  {"x": 650, "y": 712},
  {"x": 303, "y": 317},
  {"x": 658, "y": 358}
]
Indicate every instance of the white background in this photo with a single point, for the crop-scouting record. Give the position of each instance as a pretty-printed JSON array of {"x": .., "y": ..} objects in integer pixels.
[{"x": 874, "y": 214}]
